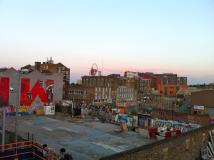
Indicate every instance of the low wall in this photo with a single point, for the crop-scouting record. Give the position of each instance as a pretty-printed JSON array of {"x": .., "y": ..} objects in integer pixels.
[
  {"x": 172, "y": 115},
  {"x": 184, "y": 147}
]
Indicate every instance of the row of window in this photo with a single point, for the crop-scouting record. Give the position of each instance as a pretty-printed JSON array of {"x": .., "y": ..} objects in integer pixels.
[
  {"x": 105, "y": 96},
  {"x": 102, "y": 89},
  {"x": 125, "y": 95},
  {"x": 76, "y": 92}
]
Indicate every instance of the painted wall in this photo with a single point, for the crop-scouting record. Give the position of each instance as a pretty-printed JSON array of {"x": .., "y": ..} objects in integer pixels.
[
  {"x": 30, "y": 90},
  {"x": 4, "y": 91}
]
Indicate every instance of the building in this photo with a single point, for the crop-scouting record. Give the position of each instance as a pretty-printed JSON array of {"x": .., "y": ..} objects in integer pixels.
[
  {"x": 125, "y": 93},
  {"x": 146, "y": 87},
  {"x": 101, "y": 89},
  {"x": 50, "y": 67},
  {"x": 113, "y": 89},
  {"x": 203, "y": 98},
  {"x": 167, "y": 84},
  {"x": 202, "y": 102},
  {"x": 29, "y": 90},
  {"x": 77, "y": 94},
  {"x": 130, "y": 74},
  {"x": 9, "y": 85}
]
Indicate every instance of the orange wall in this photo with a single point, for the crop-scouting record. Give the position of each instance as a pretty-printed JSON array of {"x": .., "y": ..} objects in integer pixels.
[{"x": 171, "y": 89}]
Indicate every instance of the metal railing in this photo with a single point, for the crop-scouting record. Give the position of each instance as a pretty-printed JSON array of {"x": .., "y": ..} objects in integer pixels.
[{"x": 25, "y": 150}]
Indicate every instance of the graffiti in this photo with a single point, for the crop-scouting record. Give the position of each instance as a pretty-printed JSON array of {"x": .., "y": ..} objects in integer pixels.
[
  {"x": 144, "y": 120},
  {"x": 184, "y": 127},
  {"x": 49, "y": 90},
  {"x": 121, "y": 118},
  {"x": 42, "y": 90},
  {"x": 23, "y": 109},
  {"x": 45, "y": 93},
  {"x": 4, "y": 91}
]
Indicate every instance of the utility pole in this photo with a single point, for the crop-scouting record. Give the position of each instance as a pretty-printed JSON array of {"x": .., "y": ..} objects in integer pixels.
[
  {"x": 3, "y": 125},
  {"x": 72, "y": 109},
  {"x": 18, "y": 90}
]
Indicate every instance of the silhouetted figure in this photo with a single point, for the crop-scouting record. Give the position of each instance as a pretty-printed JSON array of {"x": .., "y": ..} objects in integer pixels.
[
  {"x": 64, "y": 155},
  {"x": 45, "y": 150}
]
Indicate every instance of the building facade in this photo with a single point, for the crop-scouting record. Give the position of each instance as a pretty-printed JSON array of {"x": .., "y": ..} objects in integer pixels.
[
  {"x": 112, "y": 89},
  {"x": 166, "y": 84},
  {"x": 77, "y": 94},
  {"x": 102, "y": 89},
  {"x": 130, "y": 74},
  {"x": 50, "y": 67},
  {"x": 30, "y": 90}
]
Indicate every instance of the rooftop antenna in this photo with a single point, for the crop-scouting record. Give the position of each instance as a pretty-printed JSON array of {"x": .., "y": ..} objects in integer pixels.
[{"x": 102, "y": 65}]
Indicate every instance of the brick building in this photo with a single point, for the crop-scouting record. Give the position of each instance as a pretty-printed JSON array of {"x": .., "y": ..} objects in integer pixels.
[
  {"x": 166, "y": 84},
  {"x": 101, "y": 88},
  {"x": 112, "y": 88},
  {"x": 50, "y": 67},
  {"x": 202, "y": 102},
  {"x": 77, "y": 94}
]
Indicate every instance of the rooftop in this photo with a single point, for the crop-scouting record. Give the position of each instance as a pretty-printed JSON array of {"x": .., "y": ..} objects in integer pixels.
[{"x": 86, "y": 140}]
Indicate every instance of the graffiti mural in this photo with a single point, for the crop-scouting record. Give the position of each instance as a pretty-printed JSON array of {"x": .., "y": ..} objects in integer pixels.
[
  {"x": 49, "y": 90},
  {"x": 4, "y": 91},
  {"x": 40, "y": 89}
]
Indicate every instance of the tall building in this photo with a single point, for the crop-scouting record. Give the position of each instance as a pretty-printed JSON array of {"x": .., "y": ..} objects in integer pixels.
[{"x": 50, "y": 67}]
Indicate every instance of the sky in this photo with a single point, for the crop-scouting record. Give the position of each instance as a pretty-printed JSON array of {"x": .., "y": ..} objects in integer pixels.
[{"x": 160, "y": 36}]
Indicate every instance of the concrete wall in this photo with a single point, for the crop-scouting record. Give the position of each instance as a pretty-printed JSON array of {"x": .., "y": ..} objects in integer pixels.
[
  {"x": 12, "y": 74},
  {"x": 172, "y": 115},
  {"x": 184, "y": 147},
  {"x": 58, "y": 82},
  {"x": 15, "y": 78}
]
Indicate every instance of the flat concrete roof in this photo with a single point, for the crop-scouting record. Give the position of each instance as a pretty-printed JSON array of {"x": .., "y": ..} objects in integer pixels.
[{"x": 88, "y": 139}]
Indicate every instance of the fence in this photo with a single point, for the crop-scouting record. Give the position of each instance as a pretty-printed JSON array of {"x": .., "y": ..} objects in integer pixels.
[{"x": 25, "y": 150}]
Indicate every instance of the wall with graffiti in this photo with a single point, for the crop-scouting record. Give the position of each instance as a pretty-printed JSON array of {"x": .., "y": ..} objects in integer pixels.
[
  {"x": 41, "y": 89},
  {"x": 4, "y": 91},
  {"x": 30, "y": 91}
]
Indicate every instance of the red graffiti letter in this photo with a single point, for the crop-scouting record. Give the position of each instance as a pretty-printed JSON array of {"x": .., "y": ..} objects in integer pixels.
[
  {"x": 4, "y": 91},
  {"x": 28, "y": 96}
]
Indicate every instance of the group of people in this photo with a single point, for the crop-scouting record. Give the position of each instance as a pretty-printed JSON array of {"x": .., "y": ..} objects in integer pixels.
[{"x": 62, "y": 156}]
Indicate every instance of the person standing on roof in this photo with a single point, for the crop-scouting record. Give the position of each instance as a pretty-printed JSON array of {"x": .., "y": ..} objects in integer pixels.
[
  {"x": 64, "y": 155},
  {"x": 45, "y": 150}
]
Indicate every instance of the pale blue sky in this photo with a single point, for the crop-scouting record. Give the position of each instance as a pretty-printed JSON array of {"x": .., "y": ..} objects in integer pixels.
[{"x": 140, "y": 35}]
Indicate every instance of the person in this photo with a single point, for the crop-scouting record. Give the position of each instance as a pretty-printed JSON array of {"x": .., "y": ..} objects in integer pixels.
[
  {"x": 45, "y": 150},
  {"x": 64, "y": 155}
]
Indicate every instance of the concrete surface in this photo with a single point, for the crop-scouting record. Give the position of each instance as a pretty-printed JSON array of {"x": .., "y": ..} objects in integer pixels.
[{"x": 86, "y": 140}]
